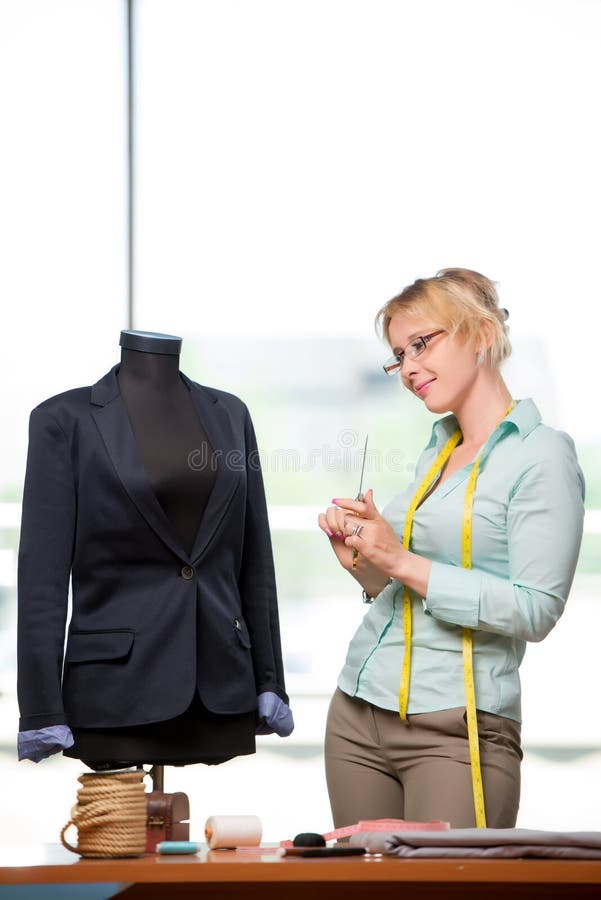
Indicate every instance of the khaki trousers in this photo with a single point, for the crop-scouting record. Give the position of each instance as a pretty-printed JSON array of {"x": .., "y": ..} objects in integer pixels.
[{"x": 378, "y": 766}]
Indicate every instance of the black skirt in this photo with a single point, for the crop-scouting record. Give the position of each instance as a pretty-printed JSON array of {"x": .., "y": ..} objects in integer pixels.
[{"x": 196, "y": 736}]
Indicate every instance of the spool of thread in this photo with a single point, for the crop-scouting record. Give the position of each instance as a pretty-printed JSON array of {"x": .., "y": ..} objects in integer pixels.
[
  {"x": 110, "y": 815},
  {"x": 229, "y": 832}
]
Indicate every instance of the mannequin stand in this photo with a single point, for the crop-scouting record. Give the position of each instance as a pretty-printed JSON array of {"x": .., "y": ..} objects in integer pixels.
[{"x": 157, "y": 777}]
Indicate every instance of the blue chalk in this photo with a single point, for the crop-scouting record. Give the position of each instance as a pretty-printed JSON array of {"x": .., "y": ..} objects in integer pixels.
[{"x": 177, "y": 847}]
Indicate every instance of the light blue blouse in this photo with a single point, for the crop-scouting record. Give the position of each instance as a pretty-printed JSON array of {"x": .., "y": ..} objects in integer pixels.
[{"x": 527, "y": 529}]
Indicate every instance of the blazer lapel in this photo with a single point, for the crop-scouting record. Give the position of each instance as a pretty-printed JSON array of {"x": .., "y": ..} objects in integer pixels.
[
  {"x": 118, "y": 437},
  {"x": 216, "y": 421}
]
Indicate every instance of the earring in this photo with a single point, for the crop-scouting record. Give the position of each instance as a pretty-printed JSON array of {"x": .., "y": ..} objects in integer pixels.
[{"x": 480, "y": 357}]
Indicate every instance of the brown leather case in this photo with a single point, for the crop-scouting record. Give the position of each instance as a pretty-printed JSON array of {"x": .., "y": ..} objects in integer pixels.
[{"x": 167, "y": 818}]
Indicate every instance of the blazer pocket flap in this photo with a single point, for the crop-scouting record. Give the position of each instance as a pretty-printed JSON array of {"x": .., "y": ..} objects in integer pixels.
[
  {"x": 91, "y": 646},
  {"x": 242, "y": 632}
]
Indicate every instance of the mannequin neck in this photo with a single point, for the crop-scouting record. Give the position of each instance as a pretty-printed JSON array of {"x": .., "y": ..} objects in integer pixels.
[{"x": 156, "y": 370}]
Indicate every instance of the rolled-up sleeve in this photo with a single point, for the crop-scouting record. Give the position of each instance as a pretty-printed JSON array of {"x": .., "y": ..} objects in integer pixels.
[{"x": 544, "y": 532}]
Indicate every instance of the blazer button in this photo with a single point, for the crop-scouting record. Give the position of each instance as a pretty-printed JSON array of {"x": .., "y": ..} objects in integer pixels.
[{"x": 187, "y": 572}]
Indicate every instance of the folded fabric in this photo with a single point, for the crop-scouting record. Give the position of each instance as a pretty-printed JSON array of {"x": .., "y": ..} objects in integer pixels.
[{"x": 509, "y": 843}]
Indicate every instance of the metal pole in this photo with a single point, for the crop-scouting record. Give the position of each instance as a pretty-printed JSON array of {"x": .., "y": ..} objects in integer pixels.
[
  {"x": 130, "y": 163},
  {"x": 156, "y": 772}
]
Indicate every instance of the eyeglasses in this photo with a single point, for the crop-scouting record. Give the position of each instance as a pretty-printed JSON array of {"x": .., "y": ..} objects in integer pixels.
[{"x": 411, "y": 351}]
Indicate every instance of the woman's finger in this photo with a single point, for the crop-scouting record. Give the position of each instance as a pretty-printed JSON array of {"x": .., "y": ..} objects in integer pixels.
[
  {"x": 359, "y": 507},
  {"x": 370, "y": 506},
  {"x": 332, "y": 522},
  {"x": 354, "y": 542},
  {"x": 335, "y": 519},
  {"x": 324, "y": 524},
  {"x": 353, "y": 525}
]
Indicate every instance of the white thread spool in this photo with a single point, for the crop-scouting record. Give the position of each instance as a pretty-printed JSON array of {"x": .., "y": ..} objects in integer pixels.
[{"x": 228, "y": 832}]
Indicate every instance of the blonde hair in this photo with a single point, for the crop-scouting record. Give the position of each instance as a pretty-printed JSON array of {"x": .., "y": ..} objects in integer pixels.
[{"x": 461, "y": 301}]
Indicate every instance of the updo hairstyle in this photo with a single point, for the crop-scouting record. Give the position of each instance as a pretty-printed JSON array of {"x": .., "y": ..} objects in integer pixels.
[{"x": 461, "y": 301}]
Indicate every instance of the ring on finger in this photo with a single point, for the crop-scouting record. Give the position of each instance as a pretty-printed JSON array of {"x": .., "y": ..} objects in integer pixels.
[{"x": 356, "y": 530}]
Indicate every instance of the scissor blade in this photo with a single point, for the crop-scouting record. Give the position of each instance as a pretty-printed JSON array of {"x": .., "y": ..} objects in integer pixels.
[{"x": 360, "y": 493}]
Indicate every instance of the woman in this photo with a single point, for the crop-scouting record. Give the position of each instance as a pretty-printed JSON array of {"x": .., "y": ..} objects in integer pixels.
[{"x": 472, "y": 560}]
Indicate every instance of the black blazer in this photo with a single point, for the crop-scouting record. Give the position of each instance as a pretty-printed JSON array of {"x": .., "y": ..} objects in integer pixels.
[{"x": 149, "y": 623}]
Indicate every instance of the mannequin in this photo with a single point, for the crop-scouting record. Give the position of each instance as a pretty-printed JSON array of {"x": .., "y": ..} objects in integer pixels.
[
  {"x": 167, "y": 431},
  {"x": 169, "y": 439}
]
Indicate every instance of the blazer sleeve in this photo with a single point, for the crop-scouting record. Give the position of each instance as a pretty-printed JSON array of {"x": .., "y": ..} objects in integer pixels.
[
  {"x": 45, "y": 558},
  {"x": 257, "y": 578}
]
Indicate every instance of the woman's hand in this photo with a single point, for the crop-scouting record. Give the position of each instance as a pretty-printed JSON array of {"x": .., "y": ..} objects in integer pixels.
[
  {"x": 332, "y": 522},
  {"x": 376, "y": 542},
  {"x": 374, "y": 538},
  {"x": 337, "y": 522}
]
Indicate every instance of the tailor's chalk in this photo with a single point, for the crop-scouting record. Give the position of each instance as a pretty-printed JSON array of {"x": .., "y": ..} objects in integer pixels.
[{"x": 178, "y": 847}]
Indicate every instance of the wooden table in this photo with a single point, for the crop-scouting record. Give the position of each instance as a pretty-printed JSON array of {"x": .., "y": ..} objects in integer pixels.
[{"x": 263, "y": 873}]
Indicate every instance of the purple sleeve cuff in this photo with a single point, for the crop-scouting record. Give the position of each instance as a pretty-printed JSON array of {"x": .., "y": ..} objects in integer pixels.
[
  {"x": 274, "y": 715},
  {"x": 41, "y": 743}
]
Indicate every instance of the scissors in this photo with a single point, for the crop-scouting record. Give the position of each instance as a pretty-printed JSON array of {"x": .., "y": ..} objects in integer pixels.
[{"x": 360, "y": 495}]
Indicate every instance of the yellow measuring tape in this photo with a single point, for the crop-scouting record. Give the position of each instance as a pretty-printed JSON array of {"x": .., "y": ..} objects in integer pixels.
[
  {"x": 468, "y": 662},
  {"x": 419, "y": 496},
  {"x": 466, "y": 635}
]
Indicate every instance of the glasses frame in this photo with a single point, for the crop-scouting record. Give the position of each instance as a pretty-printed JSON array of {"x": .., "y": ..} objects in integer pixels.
[{"x": 394, "y": 363}]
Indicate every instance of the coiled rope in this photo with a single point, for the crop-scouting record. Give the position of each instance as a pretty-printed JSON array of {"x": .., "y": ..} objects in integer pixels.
[{"x": 110, "y": 815}]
